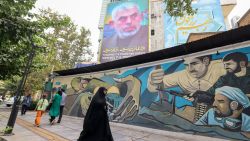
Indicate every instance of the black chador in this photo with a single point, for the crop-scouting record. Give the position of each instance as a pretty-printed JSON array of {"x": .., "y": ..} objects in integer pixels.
[{"x": 96, "y": 124}]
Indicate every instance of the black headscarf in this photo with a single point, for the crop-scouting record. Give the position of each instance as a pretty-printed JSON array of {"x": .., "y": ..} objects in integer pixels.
[{"x": 96, "y": 124}]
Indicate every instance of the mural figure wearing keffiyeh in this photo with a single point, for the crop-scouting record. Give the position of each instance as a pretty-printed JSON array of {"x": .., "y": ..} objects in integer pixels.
[{"x": 229, "y": 110}]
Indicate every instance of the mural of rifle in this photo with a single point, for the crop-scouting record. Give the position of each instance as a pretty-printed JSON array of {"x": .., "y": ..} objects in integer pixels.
[
  {"x": 202, "y": 101},
  {"x": 160, "y": 86},
  {"x": 174, "y": 93}
]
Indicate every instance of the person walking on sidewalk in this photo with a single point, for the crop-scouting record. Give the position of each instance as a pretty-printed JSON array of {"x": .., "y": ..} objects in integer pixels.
[
  {"x": 55, "y": 107},
  {"x": 96, "y": 124},
  {"x": 41, "y": 108},
  {"x": 54, "y": 91},
  {"x": 64, "y": 95},
  {"x": 26, "y": 103}
]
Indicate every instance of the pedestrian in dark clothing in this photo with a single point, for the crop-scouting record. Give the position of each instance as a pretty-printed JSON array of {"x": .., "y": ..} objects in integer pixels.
[
  {"x": 64, "y": 95},
  {"x": 96, "y": 124},
  {"x": 26, "y": 104}
]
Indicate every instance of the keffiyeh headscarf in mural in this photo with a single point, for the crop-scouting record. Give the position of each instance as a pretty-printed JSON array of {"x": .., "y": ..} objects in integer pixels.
[{"x": 234, "y": 94}]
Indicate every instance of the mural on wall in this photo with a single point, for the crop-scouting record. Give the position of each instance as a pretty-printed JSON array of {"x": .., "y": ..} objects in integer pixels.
[
  {"x": 125, "y": 32},
  {"x": 209, "y": 18},
  {"x": 208, "y": 95}
]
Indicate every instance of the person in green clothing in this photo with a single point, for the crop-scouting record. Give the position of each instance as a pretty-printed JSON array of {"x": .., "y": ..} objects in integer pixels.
[
  {"x": 55, "y": 107},
  {"x": 40, "y": 108}
]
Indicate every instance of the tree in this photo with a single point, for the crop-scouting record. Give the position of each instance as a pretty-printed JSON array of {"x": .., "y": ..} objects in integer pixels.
[
  {"x": 66, "y": 44},
  {"x": 178, "y": 8},
  {"x": 10, "y": 85},
  {"x": 15, "y": 28}
]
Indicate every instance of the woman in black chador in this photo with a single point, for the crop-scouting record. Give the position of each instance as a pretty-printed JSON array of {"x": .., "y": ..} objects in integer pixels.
[{"x": 96, "y": 123}]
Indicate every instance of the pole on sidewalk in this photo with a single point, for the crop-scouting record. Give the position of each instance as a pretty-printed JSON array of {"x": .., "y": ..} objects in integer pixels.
[{"x": 13, "y": 115}]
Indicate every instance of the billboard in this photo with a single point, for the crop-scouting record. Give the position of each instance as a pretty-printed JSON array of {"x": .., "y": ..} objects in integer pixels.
[
  {"x": 125, "y": 31},
  {"x": 208, "y": 18}
]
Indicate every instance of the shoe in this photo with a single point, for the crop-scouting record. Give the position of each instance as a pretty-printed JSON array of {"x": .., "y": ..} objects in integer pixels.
[
  {"x": 58, "y": 121},
  {"x": 52, "y": 122}
]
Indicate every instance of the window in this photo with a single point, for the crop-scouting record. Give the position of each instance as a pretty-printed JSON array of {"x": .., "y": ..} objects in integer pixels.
[
  {"x": 153, "y": 16},
  {"x": 152, "y": 32}
]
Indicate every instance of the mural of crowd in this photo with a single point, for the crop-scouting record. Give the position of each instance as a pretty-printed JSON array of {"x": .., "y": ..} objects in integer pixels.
[{"x": 206, "y": 94}]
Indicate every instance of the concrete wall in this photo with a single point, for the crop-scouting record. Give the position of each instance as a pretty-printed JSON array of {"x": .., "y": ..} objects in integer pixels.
[
  {"x": 184, "y": 100},
  {"x": 156, "y": 25}
]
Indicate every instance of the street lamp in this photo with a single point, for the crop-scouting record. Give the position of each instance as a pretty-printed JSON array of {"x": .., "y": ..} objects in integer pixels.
[{"x": 13, "y": 115}]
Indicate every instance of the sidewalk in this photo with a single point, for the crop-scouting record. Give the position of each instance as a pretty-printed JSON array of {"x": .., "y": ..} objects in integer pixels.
[
  {"x": 20, "y": 133},
  {"x": 71, "y": 127}
]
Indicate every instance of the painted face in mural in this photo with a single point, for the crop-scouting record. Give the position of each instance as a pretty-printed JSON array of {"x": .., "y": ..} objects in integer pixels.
[
  {"x": 83, "y": 84},
  {"x": 196, "y": 67},
  {"x": 231, "y": 66},
  {"x": 222, "y": 106},
  {"x": 127, "y": 21}
]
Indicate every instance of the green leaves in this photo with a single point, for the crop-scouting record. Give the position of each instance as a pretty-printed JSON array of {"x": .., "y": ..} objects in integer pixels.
[
  {"x": 179, "y": 8},
  {"x": 14, "y": 31},
  {"x": 63, "y": 43}
]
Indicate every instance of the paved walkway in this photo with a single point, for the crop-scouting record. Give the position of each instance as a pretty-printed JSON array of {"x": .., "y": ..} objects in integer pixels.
[{"x": 71, "y": 127}]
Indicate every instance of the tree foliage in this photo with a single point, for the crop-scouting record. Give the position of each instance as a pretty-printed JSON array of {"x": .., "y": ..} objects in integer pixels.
[
  {"x": 15, "y": 28},
  {"x": 179, "y": 8},
  {"x": 10, "y": 85},
  {"x": 66, "y": 43}
]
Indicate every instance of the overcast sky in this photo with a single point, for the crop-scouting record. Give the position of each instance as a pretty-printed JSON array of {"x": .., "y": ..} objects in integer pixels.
[{"x": 82, "y": 12}]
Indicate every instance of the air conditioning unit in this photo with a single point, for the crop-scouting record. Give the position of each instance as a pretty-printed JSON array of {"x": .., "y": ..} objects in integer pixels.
[{"x": 234, "y": 21}]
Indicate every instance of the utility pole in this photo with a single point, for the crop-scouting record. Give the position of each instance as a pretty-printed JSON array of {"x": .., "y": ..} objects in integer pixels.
[{"x": 13, "y": 115}]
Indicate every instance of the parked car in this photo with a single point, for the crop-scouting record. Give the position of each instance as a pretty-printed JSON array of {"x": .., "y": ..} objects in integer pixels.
[{"x": 9, "y": 102}]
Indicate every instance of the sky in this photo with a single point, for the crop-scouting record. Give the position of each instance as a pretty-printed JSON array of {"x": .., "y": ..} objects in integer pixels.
[{"x": 82, "y": 12}]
